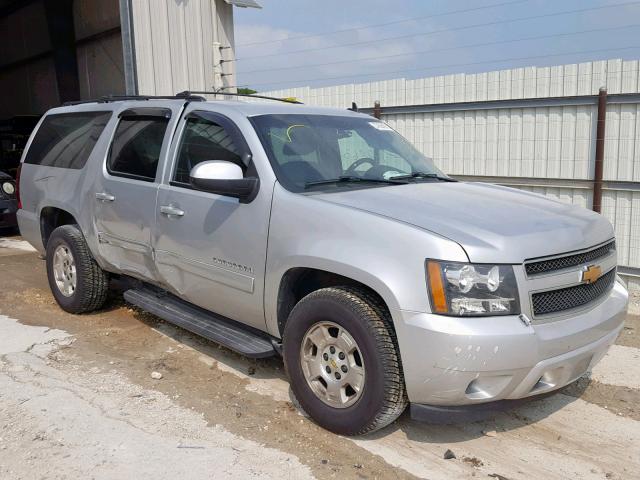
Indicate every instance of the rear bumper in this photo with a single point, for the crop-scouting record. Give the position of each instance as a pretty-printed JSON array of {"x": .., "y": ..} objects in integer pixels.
[
  {"x": 464, "y": 361},
  {"x": 29, "y": 225},
  {"x": 8, "y": 209}
]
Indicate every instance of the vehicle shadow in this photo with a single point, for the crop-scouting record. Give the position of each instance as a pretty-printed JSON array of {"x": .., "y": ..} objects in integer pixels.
[
  {"x": 259, "y": 368},
  {"x": 524, "y": 413},
  {"x": 9, "y": 232}
]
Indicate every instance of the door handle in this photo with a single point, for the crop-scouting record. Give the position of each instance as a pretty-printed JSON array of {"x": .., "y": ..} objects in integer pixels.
[
  {"x": 105, "y": 197},
  {"x": 171, "y": 211}
]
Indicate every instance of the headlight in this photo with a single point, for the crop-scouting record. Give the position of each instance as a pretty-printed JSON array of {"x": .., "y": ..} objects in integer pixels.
[
  {"x": 465, "y": 289},
  {"x": 8, "y": 188}
]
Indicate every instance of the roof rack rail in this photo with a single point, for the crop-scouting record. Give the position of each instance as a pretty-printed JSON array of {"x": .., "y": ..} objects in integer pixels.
[
  {"x": 122, "y": 98},
  {"x": 232, "y": 94}
]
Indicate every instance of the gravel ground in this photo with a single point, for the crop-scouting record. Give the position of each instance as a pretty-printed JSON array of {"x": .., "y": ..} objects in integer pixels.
[
  {"x": 634, "y": 302},
  {"x": 77, "y": 400}
]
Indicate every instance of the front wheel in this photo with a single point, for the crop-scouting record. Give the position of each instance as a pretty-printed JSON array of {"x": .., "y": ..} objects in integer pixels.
[{"x": 341, "y": 356}]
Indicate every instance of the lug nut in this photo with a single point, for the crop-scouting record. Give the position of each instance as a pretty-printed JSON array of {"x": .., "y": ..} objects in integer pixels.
[
  {"x": 328, "y": 369},
  {"x": 341, "y": 355},
  {"x": 332, "y": 349},
  {"x": 338, "y": 376},
  {"x": 325, "y": 356},
  {"x": 344, "y": 368}
]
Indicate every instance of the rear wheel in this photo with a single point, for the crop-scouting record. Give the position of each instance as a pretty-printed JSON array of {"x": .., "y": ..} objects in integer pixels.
[
  {"x": 77, "y": 282},
  {"x": 341, "y": 356}
]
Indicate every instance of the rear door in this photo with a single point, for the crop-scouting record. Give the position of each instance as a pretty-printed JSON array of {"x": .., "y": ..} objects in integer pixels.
[
  {"x": 211, "y": 249},
  {"x": 127, "y": 190}
]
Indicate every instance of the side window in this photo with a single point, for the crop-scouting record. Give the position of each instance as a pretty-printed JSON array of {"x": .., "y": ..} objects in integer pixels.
[
  {"x": 203, "y": 140},
  {"x": 66, "y": 140},
  {"x": 136, "y": 146}
]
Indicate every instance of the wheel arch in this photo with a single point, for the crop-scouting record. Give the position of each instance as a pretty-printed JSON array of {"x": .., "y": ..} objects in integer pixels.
[
  {"x": 52, "y": 217},
  {"x": 297, "y": 282}
]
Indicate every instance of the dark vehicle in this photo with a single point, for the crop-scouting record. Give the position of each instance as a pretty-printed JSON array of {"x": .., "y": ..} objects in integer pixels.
[
  {"x": 14, "y": 134},
  {"x": 8, "y": 201}
]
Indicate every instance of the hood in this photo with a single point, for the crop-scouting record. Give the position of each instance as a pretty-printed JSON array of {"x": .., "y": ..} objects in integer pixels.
[{"x": 493, "y": 224}]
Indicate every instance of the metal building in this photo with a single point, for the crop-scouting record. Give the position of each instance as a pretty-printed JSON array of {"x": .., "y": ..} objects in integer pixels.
[
  {"x": 52, "y": 51},
  {"x": 533, "y": 128}
]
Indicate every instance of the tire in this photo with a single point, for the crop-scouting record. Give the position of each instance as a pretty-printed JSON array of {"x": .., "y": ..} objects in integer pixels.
[
  {"x": 91, "y": 282},
  {"x": 382, "y": 397}
]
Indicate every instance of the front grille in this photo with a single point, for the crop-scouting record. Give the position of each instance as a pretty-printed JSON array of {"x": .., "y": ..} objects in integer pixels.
[
  {"x": 572, "y": 297},
  {"x": 553, "y": 264}
]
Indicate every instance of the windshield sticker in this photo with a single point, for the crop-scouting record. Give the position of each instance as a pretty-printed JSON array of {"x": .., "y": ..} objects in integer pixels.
[
  {"x": 381, "y": 126},
  {"x": 291, "y": 128}
]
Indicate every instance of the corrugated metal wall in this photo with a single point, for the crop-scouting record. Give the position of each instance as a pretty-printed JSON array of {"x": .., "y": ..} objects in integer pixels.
[
  {"x": 544, "y": 144},
  {"x": 527, "y": 82},
  {"x": 100, "y": 65},
  {"x": 175, "y": 45}
]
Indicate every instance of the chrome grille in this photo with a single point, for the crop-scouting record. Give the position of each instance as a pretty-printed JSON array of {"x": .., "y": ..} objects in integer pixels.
[
  {"x": 560, "y": 263},
  {"x": 572, "y": 297}
]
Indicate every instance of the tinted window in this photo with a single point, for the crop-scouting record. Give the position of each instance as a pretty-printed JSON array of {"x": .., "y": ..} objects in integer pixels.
[
  {"x": 202, "y": 141},
  {"x": 66, "y": 140},
  {"x": 136, "y": 146}
]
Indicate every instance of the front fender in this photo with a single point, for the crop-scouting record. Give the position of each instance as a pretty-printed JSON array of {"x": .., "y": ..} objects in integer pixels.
[{"x": 385, "y": 255}]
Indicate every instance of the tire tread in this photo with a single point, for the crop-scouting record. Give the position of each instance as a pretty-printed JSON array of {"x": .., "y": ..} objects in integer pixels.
[
  {"x": 370, "y": 308},
  {"x": 95, "y": 280}
]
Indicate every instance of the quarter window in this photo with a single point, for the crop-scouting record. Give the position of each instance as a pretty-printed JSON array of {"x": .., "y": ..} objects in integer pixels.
[
  {"x": 136, "y": 147},
  {"x": 203, "y": 140},
  {"x": 66, "y": 140}
]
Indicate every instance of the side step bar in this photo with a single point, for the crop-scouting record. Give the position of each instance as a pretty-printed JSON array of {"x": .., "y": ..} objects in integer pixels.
[{"x": 242, "y": 339}]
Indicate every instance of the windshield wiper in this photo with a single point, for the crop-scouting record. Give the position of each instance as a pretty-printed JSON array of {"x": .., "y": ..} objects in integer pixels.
[
  {"x": 354, "y": 179},
  {"x": 425, "y": 175}
]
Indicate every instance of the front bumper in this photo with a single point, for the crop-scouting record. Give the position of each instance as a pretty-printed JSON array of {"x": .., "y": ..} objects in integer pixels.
[
  {"x": 449, "y": 361},
  {"x": 8, "y": 209}
]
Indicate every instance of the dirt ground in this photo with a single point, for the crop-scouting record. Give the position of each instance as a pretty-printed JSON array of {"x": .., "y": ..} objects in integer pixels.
[{"x": 77, "y": 400}]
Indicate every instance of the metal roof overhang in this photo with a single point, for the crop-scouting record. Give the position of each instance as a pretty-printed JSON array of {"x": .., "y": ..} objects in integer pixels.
[{"x": 244, "y": 3}]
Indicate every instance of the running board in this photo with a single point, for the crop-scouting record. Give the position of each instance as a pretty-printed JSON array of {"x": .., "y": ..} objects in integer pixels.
[{"x": 242, "y": 339}]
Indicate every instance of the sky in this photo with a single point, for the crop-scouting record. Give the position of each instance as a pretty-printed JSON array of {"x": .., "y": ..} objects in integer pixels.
[{"x": 354, "y": 41}]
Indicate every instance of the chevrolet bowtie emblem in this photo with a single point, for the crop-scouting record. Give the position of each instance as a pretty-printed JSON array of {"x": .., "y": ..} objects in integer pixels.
[{"x": 591, "y": 273}]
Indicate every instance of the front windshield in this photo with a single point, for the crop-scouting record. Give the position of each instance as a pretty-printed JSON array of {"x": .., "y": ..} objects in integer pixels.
[{"x": 325, "y": 152}]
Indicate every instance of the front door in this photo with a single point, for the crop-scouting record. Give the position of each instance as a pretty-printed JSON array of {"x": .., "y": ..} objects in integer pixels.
[
  {"x": 211, "y": 249},
  {"x": 126, "y": 192}
]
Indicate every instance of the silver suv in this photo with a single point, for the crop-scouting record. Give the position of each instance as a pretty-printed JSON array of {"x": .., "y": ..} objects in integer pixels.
[{"x": 324, "y": 236}]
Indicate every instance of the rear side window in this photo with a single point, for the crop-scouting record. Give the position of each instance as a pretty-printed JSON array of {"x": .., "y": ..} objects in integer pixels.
[
  {"x": 66, "y": 140},
  {"x": 136, "y": 147}
]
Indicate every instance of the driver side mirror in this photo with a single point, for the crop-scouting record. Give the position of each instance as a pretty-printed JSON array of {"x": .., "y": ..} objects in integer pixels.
[{"x": 224, "y": 178}]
